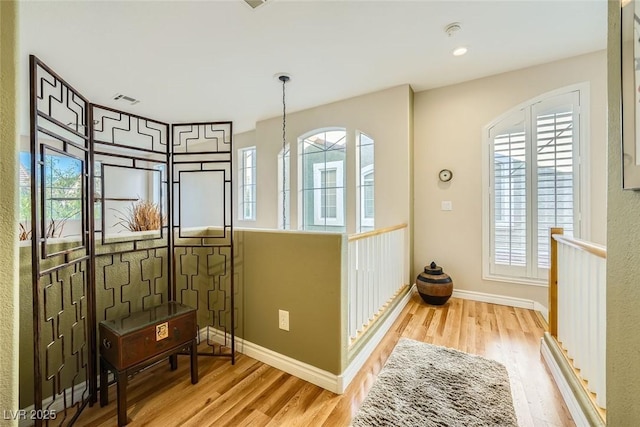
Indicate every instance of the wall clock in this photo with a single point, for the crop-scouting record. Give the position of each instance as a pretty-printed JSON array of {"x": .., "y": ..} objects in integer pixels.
[{"x": 445, "y": 175}]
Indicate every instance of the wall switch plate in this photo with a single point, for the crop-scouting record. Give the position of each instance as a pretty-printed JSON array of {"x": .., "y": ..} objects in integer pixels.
[
  {"x": 446, "y": 205},
  {"x": 283, "y": 319}
]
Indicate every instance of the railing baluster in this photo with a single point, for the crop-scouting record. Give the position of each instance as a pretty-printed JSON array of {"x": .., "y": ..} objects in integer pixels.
[
  {"x": 353, "y": 290},
  {"x": 601, "y": 363},
  {"x": 580, "y": 311},
  {"x": 361, "y": 285},
  {"x": 376, "y": 273}
]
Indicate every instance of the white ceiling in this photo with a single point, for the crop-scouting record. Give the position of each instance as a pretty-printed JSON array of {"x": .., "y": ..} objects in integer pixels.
[{"x": 216, "y": 60}]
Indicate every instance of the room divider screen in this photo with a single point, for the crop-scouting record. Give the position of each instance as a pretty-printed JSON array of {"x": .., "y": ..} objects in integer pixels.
[
  {"x": 203, "y": 229},
  {"x": 127, "y": 212}
]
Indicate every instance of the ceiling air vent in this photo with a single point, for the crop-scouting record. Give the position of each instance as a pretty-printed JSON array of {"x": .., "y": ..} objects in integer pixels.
[
  {"x": 255, "y": 3},
  {"x": 125, "y": 98}
]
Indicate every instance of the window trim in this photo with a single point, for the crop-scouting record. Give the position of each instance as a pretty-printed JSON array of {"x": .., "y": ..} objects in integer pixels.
[
  {"x": 318, "y": 218},
  {"x": 363, "y": 223},
  {"x": 242, "y": 166},
  {"x": 364, "y": 220},
  {"x": 581, "y": 176}
]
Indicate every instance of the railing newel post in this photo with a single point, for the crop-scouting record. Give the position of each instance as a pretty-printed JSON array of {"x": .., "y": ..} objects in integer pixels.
[{"x": 553, "y": 282}]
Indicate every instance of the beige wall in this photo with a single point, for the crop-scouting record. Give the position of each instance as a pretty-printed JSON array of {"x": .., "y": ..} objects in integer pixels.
[
  {"x": 623, "y": 261},
  {"x": 448, "y": 125},
  {"x": 8, "y": 193},
  {"x": 383, "y": 115}
]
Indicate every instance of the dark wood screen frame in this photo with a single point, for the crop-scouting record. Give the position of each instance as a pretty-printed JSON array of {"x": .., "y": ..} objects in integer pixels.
[{"x": 84, "y": 265}]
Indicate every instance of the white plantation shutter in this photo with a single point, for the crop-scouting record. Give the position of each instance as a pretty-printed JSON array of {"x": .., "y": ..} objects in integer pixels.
[
  {"x": 532, "y": 184},
  {"x": 509, "y": 197},
  {"x": 556, "y": 130}
]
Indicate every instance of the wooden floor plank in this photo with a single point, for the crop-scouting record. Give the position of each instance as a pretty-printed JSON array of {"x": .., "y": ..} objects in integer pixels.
[{"x": 251, "y": 393}]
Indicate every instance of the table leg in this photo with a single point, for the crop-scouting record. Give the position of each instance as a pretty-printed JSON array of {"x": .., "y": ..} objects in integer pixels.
[
  {"x": 194, "y": 361},
  {"x": 122, "y": 398},
  {"x": 173, "y": 362},
  {"x": 104, "y": 383}
]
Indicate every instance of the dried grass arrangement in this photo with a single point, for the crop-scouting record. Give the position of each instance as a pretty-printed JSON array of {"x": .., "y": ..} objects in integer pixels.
[
  {"x": 54, "y": 229},
  {"x": 23, "y": 233},
  {"x": 141, "y": 216}
]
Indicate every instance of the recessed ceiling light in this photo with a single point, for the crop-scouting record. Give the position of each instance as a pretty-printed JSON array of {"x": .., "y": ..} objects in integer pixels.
[{"x": 459, "y": 51}]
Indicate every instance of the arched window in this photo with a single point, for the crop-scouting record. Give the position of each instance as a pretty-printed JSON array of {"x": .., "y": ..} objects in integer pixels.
[
  {"x": 533, "y": 181},
  {"x": 323, "y": 179}
]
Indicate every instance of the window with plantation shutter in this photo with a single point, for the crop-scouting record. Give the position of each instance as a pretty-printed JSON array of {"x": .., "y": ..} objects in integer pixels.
[{"x": 532, "y": 175}]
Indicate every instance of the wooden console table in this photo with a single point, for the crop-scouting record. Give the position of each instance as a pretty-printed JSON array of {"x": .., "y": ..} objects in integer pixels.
[{"x": 133, "y": 342}]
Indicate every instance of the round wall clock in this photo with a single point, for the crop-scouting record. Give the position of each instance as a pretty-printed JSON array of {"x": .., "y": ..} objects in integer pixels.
[{"x": 445, "y": 175}]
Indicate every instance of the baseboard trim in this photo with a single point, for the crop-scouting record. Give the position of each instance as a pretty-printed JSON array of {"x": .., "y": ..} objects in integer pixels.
[
  {"x": 574, "y": 395},
  {"x": 363, "y": 355},
  {"x": 544, "y": 311},
  {"x": 310, "y": 373},
  {"x": 502, "y": 300},
  {"x": 321, "y": 378},
  {"x": 292, "y": 366}
]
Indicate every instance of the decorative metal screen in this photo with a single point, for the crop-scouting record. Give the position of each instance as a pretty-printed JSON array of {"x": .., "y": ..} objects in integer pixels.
[
  {"x": 132, "y": 216},
  {"x": 64, "y": 368},
  {"x": 126, "y": 213},
  {"x": 203, "y": 229}
]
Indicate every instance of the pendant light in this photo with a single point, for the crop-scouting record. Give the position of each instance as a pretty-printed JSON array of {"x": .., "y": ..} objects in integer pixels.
[{"x": 284, "y": 78}]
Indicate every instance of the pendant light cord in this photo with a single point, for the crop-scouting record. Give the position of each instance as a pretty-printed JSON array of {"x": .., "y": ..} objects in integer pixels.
[{"x": 284, "y": 79}]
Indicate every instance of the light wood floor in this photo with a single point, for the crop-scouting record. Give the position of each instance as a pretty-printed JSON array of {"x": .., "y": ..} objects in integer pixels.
[{"x": 251, "y": 393}]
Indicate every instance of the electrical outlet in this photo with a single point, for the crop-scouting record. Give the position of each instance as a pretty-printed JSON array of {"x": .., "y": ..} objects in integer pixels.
[
  {"x": 283, "y": 319},
  {"x": 446, "y": 205}
]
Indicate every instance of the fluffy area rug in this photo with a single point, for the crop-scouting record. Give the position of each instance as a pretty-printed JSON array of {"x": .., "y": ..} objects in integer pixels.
[{"x": 426, "y": 385}]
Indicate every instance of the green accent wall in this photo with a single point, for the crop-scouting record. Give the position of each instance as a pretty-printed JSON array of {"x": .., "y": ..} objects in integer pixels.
[
  {"x": 126, "y": 289},
  {"x": 302, "y": 274},
  {"x": 8, "y": 214}
]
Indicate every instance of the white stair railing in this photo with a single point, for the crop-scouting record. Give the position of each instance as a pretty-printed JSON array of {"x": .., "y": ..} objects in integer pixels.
[
  {"x": 578, "y": 321},
  {"x": 377, "y": 273}
]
